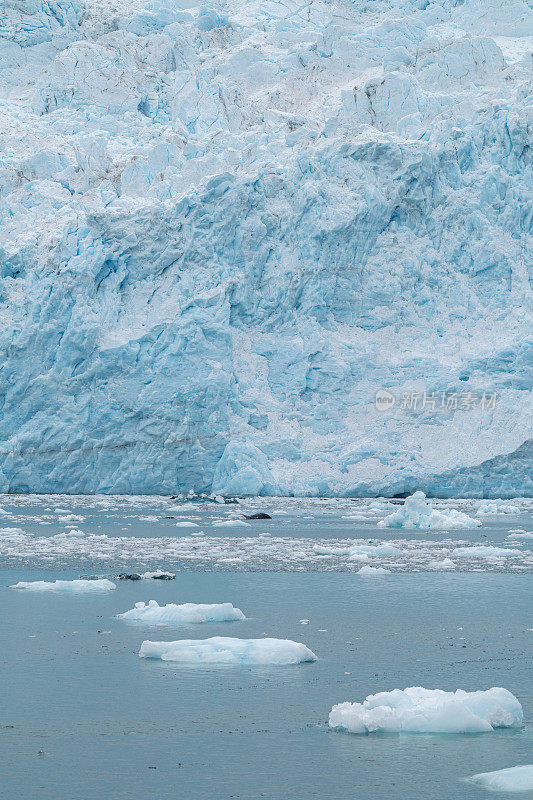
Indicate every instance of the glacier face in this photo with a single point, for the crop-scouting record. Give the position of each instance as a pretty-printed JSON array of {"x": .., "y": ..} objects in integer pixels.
[{"x": 224, "y": 227}]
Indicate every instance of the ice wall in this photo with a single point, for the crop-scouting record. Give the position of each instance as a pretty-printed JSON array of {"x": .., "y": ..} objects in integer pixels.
[{"x": 224, "y": 227}]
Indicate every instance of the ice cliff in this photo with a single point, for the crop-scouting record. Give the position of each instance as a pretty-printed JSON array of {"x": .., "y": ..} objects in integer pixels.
[{"x": 224, "y": 227}]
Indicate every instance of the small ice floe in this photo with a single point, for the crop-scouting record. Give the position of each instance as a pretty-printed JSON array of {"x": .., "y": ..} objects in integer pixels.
[
  {"x": 417, "y": 513},
  {"x": 446, "y": 563},
  {"x": 71, "y": 518},
  {"x": 359, "y": 551},
  {"x": 372, "y": 572},
  {"x": 419, "y": 710},
  {"x": 486, "y": 551},
  {"x": 184, "y": 614},
  {"x": 97, "y": 585},
  {"x": 230, "y": 523},
  {"x": 520, "y": 535},
  {"x": 5, "y": 513},
  {"x": 496, "y": 507},
  {"x": 227, "y": 650},
  {"x": 185, "y": 523},
  {"x": 149, "y": 518},
  {"x": 512, "y": 779}
]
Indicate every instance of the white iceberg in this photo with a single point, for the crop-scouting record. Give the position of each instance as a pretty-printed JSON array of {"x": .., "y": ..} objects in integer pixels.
[
  {"x": 446, "y": 563},
  {"x": 228, "y": 650},
  {"x": 417, "y": 513},
  {"x": 359, "y": 551},
  {"x": 496, "y": 507},
  {"x": 66, "y": 586},
  {"x": 183, "y": 614},
  {"x": 369, "y": 572},
  {"x": 230, "y": 523},
  {"x": 419, "y": 710},
  {"x": 486, "y": 551},
  {"x": 512, "y": 779}
]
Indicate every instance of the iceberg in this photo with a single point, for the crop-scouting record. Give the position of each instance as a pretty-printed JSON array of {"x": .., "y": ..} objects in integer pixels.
[
  {"x": 227, "y": 650},
  {"x": 416, "y": 512},
  {"x": 102, "y": 585},
  {"x": 496, "y": 507},
  {"x": 512, "y": 779},
  {"x": 419, "y": 710},
  {"x": 184, "y": 614},
  {"x": 370, "y": 572},
  {"x": 208, "y": 276}
]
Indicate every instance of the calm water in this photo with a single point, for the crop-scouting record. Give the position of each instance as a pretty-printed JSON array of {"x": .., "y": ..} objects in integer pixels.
[{"x": 83, "y": 718}]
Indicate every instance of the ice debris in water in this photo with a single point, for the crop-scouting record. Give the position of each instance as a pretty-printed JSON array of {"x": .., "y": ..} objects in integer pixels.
[
  {"x": 228, "y": 650},
  {"x": 419, "y": 710},
  {"x": 416, "y": 512},
  {"x": 446, "y": 563},
  {"x": 369, "y": 572},
  {"x": 486, "y": 551},
  {"x": 496, "y": 507},
  {"x": 101, "y": 585},
  {"x": 520, "y": 534},
  {"x": 512, "y": 779},
  {"x": 184, "y": 614}
]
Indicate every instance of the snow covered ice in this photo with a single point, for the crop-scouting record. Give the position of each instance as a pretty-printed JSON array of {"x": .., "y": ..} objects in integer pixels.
[
  {"x": 227, "y": 650},
  {"x": 183, "y": 614},
  {"x": 416, "y": 512},
  {"x": 512, "y": 779},
  {"x": 370, "y": 572},
  {"x": 419, "y": 710},
  {"x": 224, "y": 227},
  {"x": 102, "y": 585}
]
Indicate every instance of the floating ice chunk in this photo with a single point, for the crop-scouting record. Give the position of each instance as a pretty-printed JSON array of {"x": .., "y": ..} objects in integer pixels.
[
  {"x": 419, "y": 710},
  {"x": 446, "y": 563},
  {"x": 367, "y": 550},
  {"x": 417, "y": 513},
  {"x": 370, "y": 572},
  {"x": 227, "y": 650},
  {"x": 184, "y": 614},
  {"x": 513, "y": 779},
  {"x": 486, "y": 551},
  {"x": 71, "y": 518},
  {"x": 185, "y": 523},
  {"x": 149, "y": 518},
  {"x": 230, "y": 523},
  {"x": 326, "y": 550},
  {"x": 517, "y": 535},
  {"x": 102, "y": 585},
  {"x": 496, "y": 507},
  {"x": 5, "y": 512}
]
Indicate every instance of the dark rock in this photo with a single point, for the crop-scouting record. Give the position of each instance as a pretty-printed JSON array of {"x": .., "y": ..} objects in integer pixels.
[
  {"x": 128, "y": 576},
  {"x": 259, "y": 515}
]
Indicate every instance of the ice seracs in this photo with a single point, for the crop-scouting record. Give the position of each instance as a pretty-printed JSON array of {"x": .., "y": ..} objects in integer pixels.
[
  {"x": 101, "y": 585},
  {"x": 512, "y": 779},
  {"x": 183, "y": 614},
  {"x": 228, "y": 650},
  {"x": 419, "y": 710},
  {"x": 416, "y": 512}
]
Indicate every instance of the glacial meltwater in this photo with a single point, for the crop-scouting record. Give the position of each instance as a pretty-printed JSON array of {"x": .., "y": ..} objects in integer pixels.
[{"x": 82, "y": 717}]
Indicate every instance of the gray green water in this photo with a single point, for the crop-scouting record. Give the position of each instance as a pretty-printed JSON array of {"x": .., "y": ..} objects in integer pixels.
[{"x": 83, "y": 718}]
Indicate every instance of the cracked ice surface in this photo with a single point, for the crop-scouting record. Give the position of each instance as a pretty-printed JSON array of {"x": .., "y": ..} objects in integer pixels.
[{"x": 224, "y": 226}]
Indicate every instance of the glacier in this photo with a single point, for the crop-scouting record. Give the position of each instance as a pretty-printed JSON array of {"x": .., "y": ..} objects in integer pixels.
[{"x": 224, "y": 227}]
